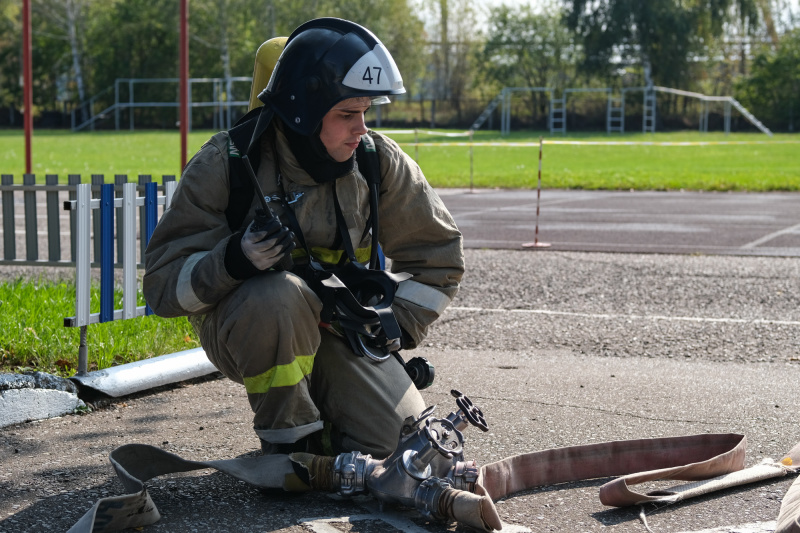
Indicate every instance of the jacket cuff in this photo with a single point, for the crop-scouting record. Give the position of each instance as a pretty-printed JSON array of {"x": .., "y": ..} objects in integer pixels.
[{"x": 236, "y": 263}]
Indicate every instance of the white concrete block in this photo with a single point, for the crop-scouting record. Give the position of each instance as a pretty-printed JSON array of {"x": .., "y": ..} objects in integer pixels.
[{"x": 22, "y": 405}]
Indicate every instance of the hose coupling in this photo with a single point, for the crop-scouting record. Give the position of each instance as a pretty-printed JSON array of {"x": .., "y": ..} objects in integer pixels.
[
  {"x": 427, "y": 496},
  {"x": 350, "y": 473},
  {"x": 465, "y": 475}
]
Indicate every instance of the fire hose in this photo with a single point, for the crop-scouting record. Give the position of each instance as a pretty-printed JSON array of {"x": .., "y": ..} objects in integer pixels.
[{"x": 428, "y": 472}]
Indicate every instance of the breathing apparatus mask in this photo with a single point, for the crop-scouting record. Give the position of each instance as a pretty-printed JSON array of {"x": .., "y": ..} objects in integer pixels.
[
  {"x": 358, "y": 301},
  {"x": 324, "y": 62}
]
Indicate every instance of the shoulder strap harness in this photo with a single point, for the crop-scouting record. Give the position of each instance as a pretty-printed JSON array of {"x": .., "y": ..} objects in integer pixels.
[{"x": 349, "y": 291}]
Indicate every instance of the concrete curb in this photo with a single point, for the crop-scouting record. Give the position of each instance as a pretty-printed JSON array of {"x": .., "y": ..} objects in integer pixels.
[{"x": 37, "y": 395}]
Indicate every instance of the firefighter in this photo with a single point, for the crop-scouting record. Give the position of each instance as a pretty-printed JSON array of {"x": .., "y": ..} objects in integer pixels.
[{"x": 263, "y": 326}]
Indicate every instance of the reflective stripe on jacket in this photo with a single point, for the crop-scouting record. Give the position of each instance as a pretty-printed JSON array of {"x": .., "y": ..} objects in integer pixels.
[{"x": 185, "y": 272}]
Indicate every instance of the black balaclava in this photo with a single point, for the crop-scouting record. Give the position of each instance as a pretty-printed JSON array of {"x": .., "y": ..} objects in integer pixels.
[{"x": 314, "y": 158}]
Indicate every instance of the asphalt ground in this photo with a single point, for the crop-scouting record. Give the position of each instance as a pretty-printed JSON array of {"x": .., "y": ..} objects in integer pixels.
[
  {"x": 558, "y": 346},
  {"x": 630, "y": 221}
]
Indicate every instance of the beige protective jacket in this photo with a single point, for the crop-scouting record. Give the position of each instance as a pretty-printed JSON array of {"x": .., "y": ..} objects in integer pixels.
[{"x": 185, "y": 272}]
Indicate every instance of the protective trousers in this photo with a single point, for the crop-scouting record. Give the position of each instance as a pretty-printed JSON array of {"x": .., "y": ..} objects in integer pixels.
[{"x": 266, "y": 335}]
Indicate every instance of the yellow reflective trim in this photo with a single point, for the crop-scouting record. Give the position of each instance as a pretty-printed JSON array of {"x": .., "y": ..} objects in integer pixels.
[
  {"x": 332, "y": 257},
  {"x": 280, "y": 376},
  {"x": 362, "y": 254}
]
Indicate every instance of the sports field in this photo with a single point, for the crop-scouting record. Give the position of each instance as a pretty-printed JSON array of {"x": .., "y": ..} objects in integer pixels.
[
  {"x": 712, "y": 161},
  {"x": 34, "y": 338}
]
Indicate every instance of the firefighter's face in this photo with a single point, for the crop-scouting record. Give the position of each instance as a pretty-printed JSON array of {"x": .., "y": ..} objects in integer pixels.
[{"x": 343, "y": 126}]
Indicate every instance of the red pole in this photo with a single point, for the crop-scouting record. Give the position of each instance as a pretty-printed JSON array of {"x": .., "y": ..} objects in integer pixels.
[
  {"x": 184, "y": 79},
  {"x": 27, "y": 81}
]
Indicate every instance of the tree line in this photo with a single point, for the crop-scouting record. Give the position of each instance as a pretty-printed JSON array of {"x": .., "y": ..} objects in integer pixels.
[{"x": 449, "y": 51}]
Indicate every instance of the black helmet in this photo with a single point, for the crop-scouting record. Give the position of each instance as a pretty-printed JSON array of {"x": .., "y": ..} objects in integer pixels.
[{"x": 325, "y": 61}]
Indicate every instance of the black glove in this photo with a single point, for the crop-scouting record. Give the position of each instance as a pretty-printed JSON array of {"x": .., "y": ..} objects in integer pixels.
[
  {"x": 265, "y": 244},
  {"x": 252, "y": 252}
]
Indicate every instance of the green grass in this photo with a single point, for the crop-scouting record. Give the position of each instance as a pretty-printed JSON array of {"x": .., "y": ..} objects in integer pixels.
[
  {"x": 773, "y": 165},
  {"x": 107, "y": 152},
  {"x": 33, "y": 336}
]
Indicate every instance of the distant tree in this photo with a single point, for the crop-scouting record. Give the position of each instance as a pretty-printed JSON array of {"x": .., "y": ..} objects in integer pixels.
[
  {"x": 233, "y": 31},
  {"x": 57, "y": 51},
  {"x": 661, "y": 36},
  {"x": 453, "y": 39},
  {"x": 60, "y": 33},
  {"x": 772, "y": 91},
  {"x": 80, "y": 47},
  {"x": 224, "y": 38},
  {"x": 10, "y": 53},
  {"x": 529, "y": 49},
  {"x": 133, "y": 39},
  {"x": 525, "y": 48}
]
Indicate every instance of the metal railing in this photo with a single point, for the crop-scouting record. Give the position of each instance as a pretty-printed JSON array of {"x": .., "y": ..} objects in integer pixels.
[
  {"x": 31, "y": 210},
  {"x": 108, "y": 222},
  {"x": 220, "y": 101},
  {"x": 615, "y": 108},
  {"x": 124, "y": 232}
]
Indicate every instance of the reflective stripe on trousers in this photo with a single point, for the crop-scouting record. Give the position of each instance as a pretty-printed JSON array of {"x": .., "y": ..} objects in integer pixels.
[{"x": 265, "y": 335}]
